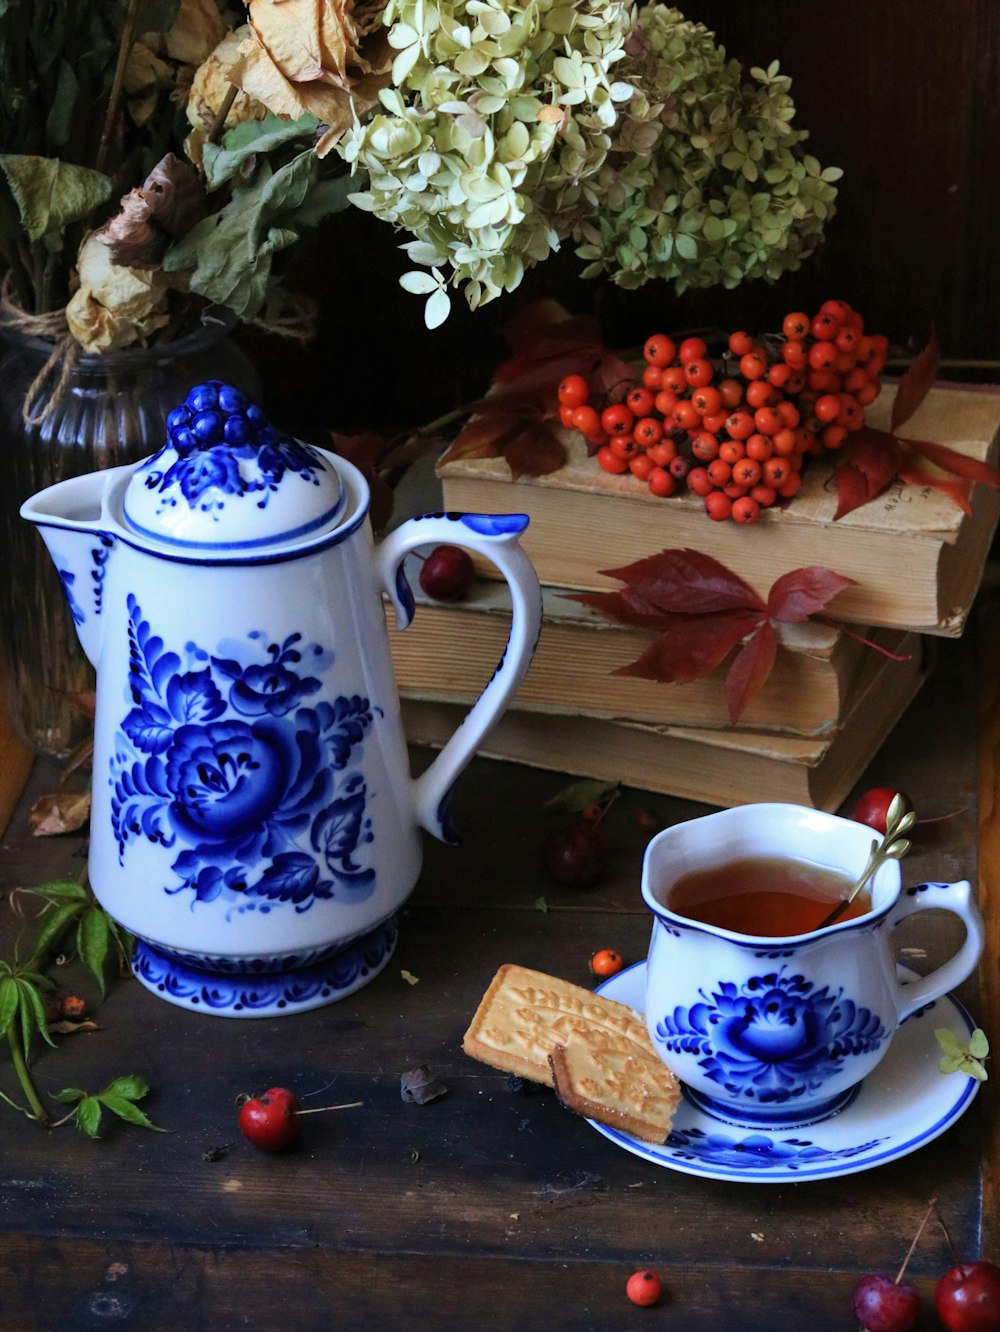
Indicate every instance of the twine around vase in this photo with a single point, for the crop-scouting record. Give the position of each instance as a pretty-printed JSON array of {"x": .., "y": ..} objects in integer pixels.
[{"x": 53, "y": 328}]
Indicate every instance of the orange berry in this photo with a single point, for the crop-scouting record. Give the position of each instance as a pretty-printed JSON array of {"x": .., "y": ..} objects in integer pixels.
[
  {"x": 663, "y": 453},
  {"x": 691, "y": 349},
  {"x": 793, "y": 353},
  {"x": 705, "y": 446},
  {"x": 740, "y": 425},
  {"x": 822, "y": 355},
  {"x": 764, "y": 495},
  {"x": 661, "y": 483},
  {"x": 740, "y": 343},
  {"x": 685, "y": 416},
  {"x": 714, "y": 422},
  {"x": 719, "y": 507},
  {"x": 673, "y": 379},
  {"x": 827, "y": 408},
  {"x": 746, "y": 510},
  {"x": 775, "y": 472},
  {"x": 784, "y": 443},
  {"x": 699, "y": 482},
  {"x": 665, "y": 402},
  {"x": 641, "y": 465},
  {"x": 731, "y": 393},
  {"x": 610, "y": 462},
  {"x": 760, "y": 393},
  {"x": 706, "y": 400},
  {"x": 790, "y": 487},
  {"x": 606, "y": 962},
  {"x": 767, "y": 420},
  {"x": 754, "y": 364},
  {"x": 760, "y": 448},
  {"x": 721, "y": 473},
  {"x": 795, "y": 325},
  {"x": 652, "y": 377},
  {"x": 647, "y": 432},
  {"x": 789, "y": 414},
  {"x": 659, "y": 349},
  {"x": 586, "y": 420},
  {"x": 732, "y": 450},
  {"x": 746, "y": 472},
  {"x": 833, "y": 436},
  {"x": 698, "y": 372}
]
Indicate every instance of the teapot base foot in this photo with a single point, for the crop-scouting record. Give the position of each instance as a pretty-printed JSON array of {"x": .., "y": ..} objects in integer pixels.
[{"x": 270, "y": 994}]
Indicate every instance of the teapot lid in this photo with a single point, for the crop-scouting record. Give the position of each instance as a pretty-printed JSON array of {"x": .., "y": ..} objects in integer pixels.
[{"x": 227, "y": 478}]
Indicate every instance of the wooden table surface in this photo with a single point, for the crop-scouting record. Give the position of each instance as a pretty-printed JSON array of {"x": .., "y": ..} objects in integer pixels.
[{"x": 485, "y": 1208}]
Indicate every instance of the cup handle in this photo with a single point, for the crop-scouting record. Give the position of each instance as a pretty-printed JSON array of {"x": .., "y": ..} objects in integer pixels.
[
  {"x": 954, "y": 897},
  {"x": 496, "y": 537}
]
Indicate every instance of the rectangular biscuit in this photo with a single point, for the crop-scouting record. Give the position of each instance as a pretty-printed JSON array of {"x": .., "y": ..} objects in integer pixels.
[
  {"x": 623, "y": 1085},
  {"x": 525, "y": 1014}
]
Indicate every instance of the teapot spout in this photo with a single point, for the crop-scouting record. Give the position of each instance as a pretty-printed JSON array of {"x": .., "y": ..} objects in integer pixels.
[{"x": 68, "y": 516}]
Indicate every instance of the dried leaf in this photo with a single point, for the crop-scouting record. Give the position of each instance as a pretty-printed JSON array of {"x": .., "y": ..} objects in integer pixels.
[
  {"x": 51, "y": 194},
  {"x": 578, "y": 795},
  {"x": 750, "y": 669},
  {"x": 687, "y": 581},
  {"x": 366, "y": 451},
  {"x": 419, "y": 1086},
  {"x": 409, "y": 977},
  {"x": 66, "y": 1028},
  {"x": 922, "y": 473},
  {"x": 869, "y": 464},
  {"x": 950, "y": 460},
  {"x": 61, "y": 813},
  {"x": 483, "y": 437},
  {"x": 534, "y": 451},
  {"x": 803, "y": 592},
  {"x": 693, "y": 646},
  {"x": 915, "y": 383}
]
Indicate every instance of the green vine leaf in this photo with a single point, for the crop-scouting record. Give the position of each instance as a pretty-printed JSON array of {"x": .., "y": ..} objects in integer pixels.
[
  {"x": 51, "y": 194},
  {"x": 88, "y": 1116},
  {"x": 578, "y": 795},
  {"x": 92, "y": 936},
  {"x": 54, "y": 921},
  {"x": 9, "y": 1000}
]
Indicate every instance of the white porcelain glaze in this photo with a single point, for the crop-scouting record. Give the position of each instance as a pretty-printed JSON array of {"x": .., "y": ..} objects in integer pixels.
[
  {"x": 254, "y": 819},
  {"x": 777, "y": 1032}
]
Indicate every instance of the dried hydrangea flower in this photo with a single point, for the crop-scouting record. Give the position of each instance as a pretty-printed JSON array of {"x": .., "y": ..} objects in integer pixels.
[
  {"x": 707, "y": 182},
  {"x": 498, "y": 112}
]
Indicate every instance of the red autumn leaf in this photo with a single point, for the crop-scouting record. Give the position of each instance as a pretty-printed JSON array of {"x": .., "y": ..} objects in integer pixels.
[
  {"x": 692, "y": 646},
  {"x": 869, "y": 464},
  {"x": 534, "y": 451},
  {"x": 958, "y": 489},
  {"x": 549, "y": 344},
  {"x": 483, "y": 436},
  {"x": 687, "y": 581},
  {"x": 750, "y": 669},
  {"x": 950, "y": 460},
  {"x": 626, "y": 606},
  {"x": 797, "y": 595},
  {"x": 365, "y": 451},
  {"x": 915, "y": 384}
]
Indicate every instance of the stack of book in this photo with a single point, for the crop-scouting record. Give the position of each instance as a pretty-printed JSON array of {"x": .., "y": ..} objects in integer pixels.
[{"x": 808, "y": 734}]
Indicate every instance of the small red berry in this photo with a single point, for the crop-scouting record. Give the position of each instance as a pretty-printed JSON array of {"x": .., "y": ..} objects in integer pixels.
[
  {"x": 873, "y": 806},
  {"x": 446, "y": 573},
  {"x": 967, "y": 1298},
  {"x": 573, "y": 391},
  {"x": 881, "y": 1305},
  {"x": 606, "y": 962},
  {"x": 271, "y": 1122},
  {"x": 644, "y": 1288}
]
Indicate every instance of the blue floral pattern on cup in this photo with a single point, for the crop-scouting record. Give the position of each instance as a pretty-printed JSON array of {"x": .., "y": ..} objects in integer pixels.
[
  {"x": 773, "y": 1038},
  {"x": 230, "y": 758}
]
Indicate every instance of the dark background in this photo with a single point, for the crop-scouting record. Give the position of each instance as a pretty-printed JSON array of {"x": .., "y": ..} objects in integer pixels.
[{"x": 902, "y": 94}]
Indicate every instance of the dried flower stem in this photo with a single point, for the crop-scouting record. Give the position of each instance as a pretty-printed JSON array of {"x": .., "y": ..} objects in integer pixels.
[
  {"x": 219, "y": 123},
  {"x": 114, "y": 100}
]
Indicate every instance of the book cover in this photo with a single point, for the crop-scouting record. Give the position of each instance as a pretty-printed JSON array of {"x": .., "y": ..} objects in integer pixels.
[
  {"x": 449, "y": 652},
  {"x": 916, "y": 557},
  {"x": 715, "y": 766}
]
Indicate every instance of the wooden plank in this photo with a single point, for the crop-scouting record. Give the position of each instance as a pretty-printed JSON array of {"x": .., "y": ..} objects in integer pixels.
[{"x": 160, "y": 1287}]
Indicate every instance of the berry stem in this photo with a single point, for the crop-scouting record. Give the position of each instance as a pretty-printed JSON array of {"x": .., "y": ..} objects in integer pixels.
[
  {"x": 318, "y": 1109},
  {"x": 956, "y": 1258},
  {"x": 931, "y": 1208}
]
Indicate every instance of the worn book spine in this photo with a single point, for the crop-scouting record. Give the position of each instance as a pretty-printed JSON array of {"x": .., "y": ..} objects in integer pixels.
[
  {"x": 449, "y": 652},
  {"x": 915, "y": 557},
  {"x": 717, "y": 767}
]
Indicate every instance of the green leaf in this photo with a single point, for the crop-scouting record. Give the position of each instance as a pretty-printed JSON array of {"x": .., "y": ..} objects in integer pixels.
[
  {"x": 127, "y": 1110},
  {"x": 229, "y": 254},
  {"x": 578, "y": 795},
  {"x": 51, "y": 194},
  {"x": 88, "y": 1116},
  {"x": 92, "y": 942},
  {"x": 541, "y": 905},
  {"x": 54, "y": 921},
  {"x": 222, "y": 161},
  {"x": 63, "y": 889},
  {"x": 68, "y": 1095},
  {"x": 133, "y": 1088},
  {"x": 32, "y": 1013},
  {"x": 9, "y": 1000}
]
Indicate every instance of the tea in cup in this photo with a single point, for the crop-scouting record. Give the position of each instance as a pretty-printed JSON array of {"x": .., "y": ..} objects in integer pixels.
[{"x": 768, "y": 1017}]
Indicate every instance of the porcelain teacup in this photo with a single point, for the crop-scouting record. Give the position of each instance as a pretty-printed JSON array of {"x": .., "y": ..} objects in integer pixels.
[{"x": 778, "y": 1032}]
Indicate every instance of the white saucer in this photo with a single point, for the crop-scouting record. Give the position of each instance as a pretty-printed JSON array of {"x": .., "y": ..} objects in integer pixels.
[{"x": 903, "y": 1105}]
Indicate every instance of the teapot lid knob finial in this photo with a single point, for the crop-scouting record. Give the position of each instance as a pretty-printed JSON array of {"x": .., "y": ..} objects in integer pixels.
[{"x": 228, "y": 478}]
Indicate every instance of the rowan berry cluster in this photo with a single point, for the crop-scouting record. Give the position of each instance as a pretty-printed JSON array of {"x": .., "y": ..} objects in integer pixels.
[{"x": 735, "y": 430}]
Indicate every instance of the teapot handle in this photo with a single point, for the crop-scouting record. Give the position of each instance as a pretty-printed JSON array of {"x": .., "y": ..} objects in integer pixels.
[{"x": 496, "y": 537}]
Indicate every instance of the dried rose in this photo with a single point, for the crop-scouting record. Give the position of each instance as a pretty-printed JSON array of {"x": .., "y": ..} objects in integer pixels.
[
  {"x": 115, "y": 306},
  {"x": 303, "y": 57}
]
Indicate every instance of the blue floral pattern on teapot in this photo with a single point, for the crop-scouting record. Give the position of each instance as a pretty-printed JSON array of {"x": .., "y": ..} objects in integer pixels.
[{"x": 225, "y": 758}]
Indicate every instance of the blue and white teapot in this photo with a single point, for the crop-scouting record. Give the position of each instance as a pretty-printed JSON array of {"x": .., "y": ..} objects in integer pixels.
[{"x": 254, "y": 823}]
